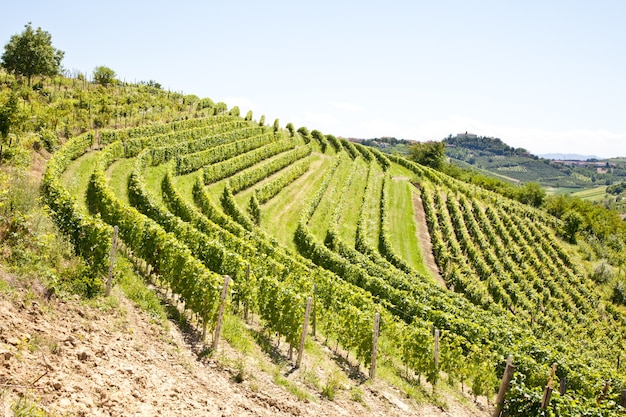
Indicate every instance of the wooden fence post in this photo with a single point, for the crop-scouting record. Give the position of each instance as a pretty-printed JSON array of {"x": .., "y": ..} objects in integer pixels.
[
  {"x": 245, "y": 306},
  {"x": 305, "y": 329},
  {"x": 218, "y": 326},
  {"x": 314, "y": 310},
  {"x": 547, "y": 393},
  {"x": 375, "y": 345},
  {"x": 436, "y": 349},
  {"x": 562, "y": 386},
  {"x": 605, "y": 391},
  {"x": 111, "y": 261},
  {"x": 624, "y": 398},
  {"x": 504, "y": 386}
]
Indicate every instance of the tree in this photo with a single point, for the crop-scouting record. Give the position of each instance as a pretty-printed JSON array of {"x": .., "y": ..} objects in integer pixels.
[
  {"x": 9, "y": 115},
  {"x": 104, "y": 75},
  {"x": 290, "y": 128},
  {"x": 430, "y": 153},
  {"x": 532, "y": 194},
  {"x": 205, "y": 103},
  {"x": 31, "y": 53},
  {"x": 571, "y": 224},
  {"x": 220, "y": 107}
]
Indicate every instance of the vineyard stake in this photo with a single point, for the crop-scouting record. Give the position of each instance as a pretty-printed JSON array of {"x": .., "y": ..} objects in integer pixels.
[
  {"x": 504, "y": 386},
  {"x": 111, "y": 261},
  {"x": 305, "y": 326},
  {"x": 605, "y": 390},
  {"x": 562, "y": 386},
  {"x": 314, "y": 310},
  {"x": 624, "y": 398},
  {"x": 375, "y": 345},
  {"x": 436, "y": 349},
  {"x": 245, "y": 307},
  {"x": 218, "y": 326},
  {"x": 547, "y": 393}
]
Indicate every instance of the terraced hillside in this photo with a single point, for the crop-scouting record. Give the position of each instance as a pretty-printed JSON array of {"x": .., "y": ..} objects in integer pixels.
[{"x": 291, "y": 215}]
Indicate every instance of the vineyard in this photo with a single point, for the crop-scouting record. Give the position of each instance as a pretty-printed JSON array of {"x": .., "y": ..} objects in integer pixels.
[{"x": 291, "y": 214}]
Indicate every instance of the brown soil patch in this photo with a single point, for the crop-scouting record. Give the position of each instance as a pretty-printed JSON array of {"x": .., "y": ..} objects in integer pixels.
[{"x": 424, "y": 240}]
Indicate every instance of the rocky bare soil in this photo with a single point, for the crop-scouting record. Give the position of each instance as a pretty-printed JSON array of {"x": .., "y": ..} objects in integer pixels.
[{"x": 107, "y": 358}]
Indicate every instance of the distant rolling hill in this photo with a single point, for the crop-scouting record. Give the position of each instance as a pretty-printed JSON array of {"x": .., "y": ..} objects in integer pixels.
[
  {"x": 568, "y": 156},
  {"x": 565, "y": 171},
  {"x": 560, "y": 172}
]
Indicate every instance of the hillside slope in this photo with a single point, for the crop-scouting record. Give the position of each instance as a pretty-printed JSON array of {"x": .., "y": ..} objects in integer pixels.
[
  {"x": 293, "y": 216},
  {"x": 61, "y": 356},
  {"x": 185, "y": 194}
]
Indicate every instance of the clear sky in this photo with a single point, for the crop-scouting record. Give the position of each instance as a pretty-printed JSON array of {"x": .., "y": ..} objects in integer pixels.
[{"x": 549, "y": 76}]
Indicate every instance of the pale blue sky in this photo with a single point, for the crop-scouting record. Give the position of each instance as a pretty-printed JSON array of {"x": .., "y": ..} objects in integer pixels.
[{"x": 549, "y": 76}]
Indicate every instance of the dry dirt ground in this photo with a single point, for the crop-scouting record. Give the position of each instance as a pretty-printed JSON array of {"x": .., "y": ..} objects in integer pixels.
[
  {"x": 107, "y": 358},
  {"x": 424, "y": 239}
]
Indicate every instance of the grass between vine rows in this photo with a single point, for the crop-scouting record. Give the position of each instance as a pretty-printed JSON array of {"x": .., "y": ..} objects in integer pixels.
[
  {"x": 76, "y": 177},
  {"x": 352, "y": 204},
  {"x": 279, "y": 216},
  {"x": 118, "y": 174},
  {"x": 402, "y": 219},
  {"x": 322, "y": 216}
]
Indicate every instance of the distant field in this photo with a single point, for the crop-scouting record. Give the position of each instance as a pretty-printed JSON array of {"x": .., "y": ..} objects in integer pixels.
[
  {"x": 592, "y": 194},
  {"x": 563, "y": 190}
]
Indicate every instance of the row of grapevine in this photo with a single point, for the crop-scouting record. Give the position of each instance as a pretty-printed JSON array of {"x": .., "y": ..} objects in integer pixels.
[
  {"x": 196, "y": 142},
  {"x": 192, "y": 162},
  {"x": 251, "y": 176},
  {"x": 218, "y": 171},
  {"x": 511, "y": 254},
  {"x": 91, "y": 238},
  {"x": 153, "y": 131},
  {"x": 197, "y": 286},
  {"x": 270, "y": 189}
]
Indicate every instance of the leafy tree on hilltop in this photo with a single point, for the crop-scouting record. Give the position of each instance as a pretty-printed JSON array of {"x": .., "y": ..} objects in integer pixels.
[
  {"x": 31, "y": 53},
  {"x": 104, "y": 75},
  {"x": 430, "y": 153}
]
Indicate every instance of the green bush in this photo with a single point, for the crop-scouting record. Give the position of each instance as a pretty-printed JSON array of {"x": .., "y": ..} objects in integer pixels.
[
  {"x": 619, "y": 292},
  {"x": 82, "y": 280}
]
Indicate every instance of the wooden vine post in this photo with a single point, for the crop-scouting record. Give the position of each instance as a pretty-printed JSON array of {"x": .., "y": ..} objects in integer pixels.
[
  {"x": 547, "y": 393},
  {"x": 436, "y": 352},
  {"x": 504, "y": 386},
  {"x": 220, "y": 315},
  {"x": 562, "y": 386},
  {"x": 305, "y": 329},
  {"x": 624, "y": 398},
  {"x": 314, "y": 310},
  {"x": 605, "y": 391},
  {"x": 375, "y": 345},
  {"x": 111, "y": 261},
  {"x": 245, "y": 306}
]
